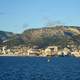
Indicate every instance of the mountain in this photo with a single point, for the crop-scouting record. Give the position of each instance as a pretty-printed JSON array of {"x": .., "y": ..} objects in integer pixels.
[
  {"x": 4, "y": 36},
  {"x": 60, "y": 36}
]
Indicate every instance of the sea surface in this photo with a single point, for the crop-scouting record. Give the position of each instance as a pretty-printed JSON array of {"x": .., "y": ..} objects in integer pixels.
[{"x": 39, "y": 68}]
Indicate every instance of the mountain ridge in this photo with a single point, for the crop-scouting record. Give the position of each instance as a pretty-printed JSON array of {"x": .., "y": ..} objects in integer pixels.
[{"x": 59, "y": 35}]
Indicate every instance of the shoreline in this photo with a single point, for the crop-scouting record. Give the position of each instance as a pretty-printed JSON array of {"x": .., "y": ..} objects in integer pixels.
[{"x": 7, "y": 55}]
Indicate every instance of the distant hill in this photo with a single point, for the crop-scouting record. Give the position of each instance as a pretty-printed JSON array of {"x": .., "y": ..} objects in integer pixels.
[
  {"x": 61, "y": 36},
  {"x": 4, "y": 36}
]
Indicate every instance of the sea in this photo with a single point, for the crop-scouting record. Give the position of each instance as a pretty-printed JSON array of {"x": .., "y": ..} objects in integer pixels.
[{"x": 39, "y": 68}]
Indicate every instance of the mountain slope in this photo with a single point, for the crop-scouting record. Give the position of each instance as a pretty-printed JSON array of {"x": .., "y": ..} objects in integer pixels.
[
  {"x": 4, "y": 36},
  {"x": 60, "y": 36},
  {"x": 43, "y": 37}
]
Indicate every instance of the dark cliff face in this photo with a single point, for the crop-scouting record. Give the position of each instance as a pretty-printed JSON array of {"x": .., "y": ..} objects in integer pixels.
[{"x": 59, "y": 36}]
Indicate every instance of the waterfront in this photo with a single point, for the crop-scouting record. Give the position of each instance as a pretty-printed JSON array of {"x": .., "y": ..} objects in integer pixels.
[{"x": 38, "y": 68}]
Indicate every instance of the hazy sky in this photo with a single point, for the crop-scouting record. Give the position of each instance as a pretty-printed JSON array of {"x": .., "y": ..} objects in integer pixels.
[{"x": 15, "y": 15}]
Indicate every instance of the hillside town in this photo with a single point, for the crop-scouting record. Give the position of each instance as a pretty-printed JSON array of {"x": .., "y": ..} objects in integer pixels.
[
  {"x": 47, "y": 41},
  {"x": 36, "y": 51}
]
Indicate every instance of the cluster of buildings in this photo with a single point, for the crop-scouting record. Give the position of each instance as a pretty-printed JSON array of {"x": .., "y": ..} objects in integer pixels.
[{"x": 35, "y": 51}]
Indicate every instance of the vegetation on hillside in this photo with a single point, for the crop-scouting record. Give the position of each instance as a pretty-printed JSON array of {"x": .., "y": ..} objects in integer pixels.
[{"x": 60, "y": 36}]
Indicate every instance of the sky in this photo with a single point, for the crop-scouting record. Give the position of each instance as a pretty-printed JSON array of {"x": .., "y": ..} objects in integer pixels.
[{"x": 18, "y": 15}]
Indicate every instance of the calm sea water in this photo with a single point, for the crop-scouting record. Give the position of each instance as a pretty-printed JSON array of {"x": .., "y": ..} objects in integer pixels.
[{"x": 38, "y": 68}]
